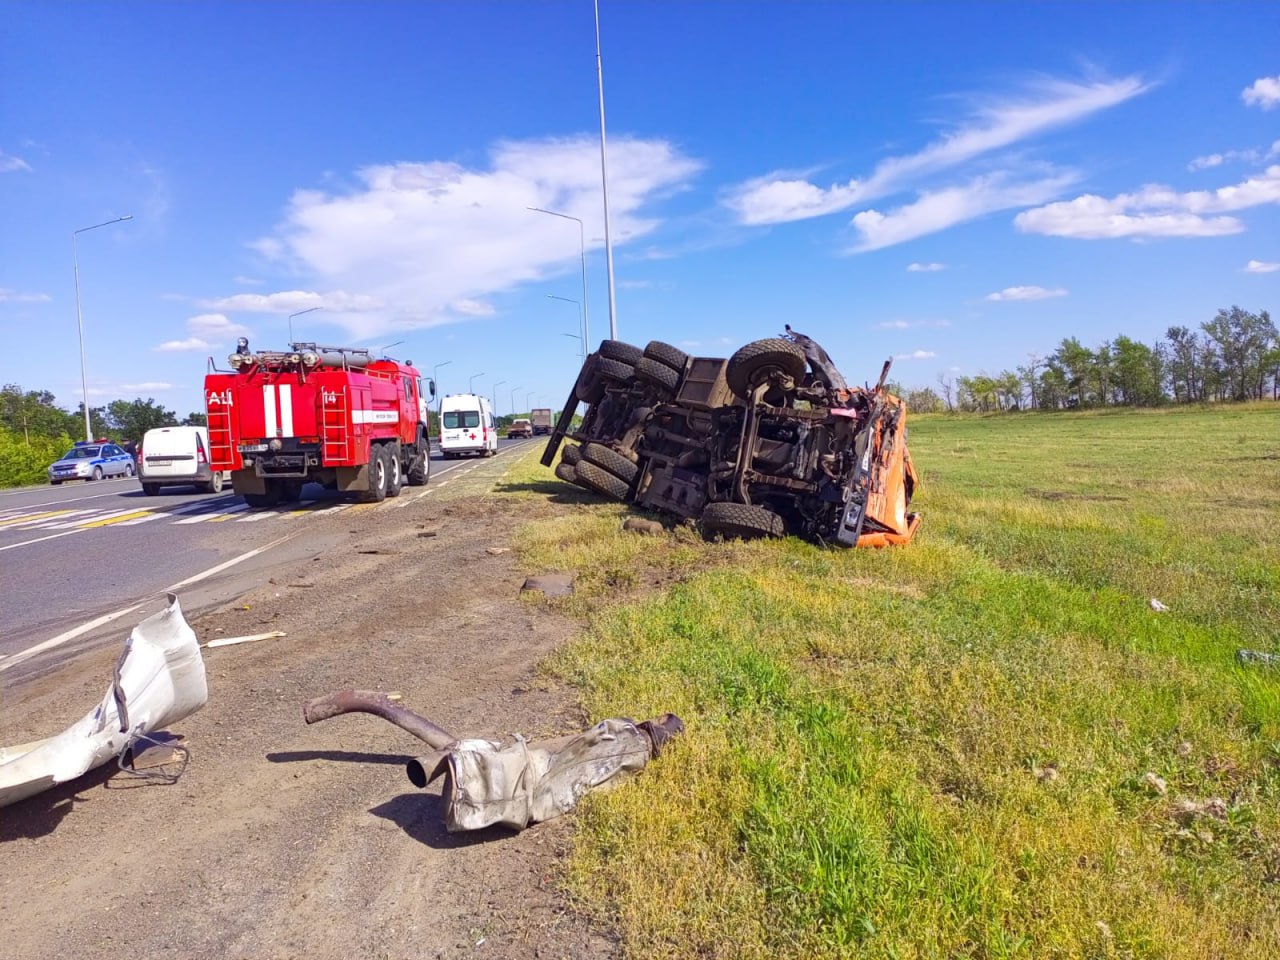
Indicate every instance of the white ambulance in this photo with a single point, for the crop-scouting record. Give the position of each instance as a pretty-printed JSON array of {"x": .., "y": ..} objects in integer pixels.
[{"x": 467, "y": 426}]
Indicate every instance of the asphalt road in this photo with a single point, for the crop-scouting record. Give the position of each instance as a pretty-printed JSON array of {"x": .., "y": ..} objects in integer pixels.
[{"x": 76, "y": 553}]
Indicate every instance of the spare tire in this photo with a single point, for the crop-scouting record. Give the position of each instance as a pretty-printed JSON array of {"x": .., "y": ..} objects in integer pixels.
[
  {"x": 610, "y": 460},
  {"x": 753, "y": 362},
  {"x": 742, "y": 521},
  {"x": 657, "y": 373},
  {"x": 665, "y": 353},
  {"x": 617, "y": 350}
]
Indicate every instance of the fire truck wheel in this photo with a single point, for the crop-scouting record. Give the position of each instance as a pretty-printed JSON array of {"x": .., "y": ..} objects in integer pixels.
[
  {"x": 741, "y": 520},
  {"x": 617, "y": 350},
  {"x": 289, "y": 490},
  {"x": 610, "y": 460},
  {"x": 378, "y": 470},
  {"x": 420, "y": 469},
  {"x": 268, "y": 499},
  {"x": 601, "y": 481},
  {"x": 751, "y": 364},
  {"x": 395, "y": 470}
]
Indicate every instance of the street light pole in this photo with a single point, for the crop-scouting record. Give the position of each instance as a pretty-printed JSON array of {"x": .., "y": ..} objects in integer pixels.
[
  {"x": 578, "y": 337},
  {"x": 528, "y": 399},
  {"x": 435, "y": 379},
  {"x": 471, "y": 384},
  {"x": 604, "y": 186},
  {"x": 582, "y": 254},
  {"x": 495, "y": 396},
  {"x": 75, "y": 260},
  {"x": 581, "y": 330},
  {"x": 300, "y": 313},
  {"x": 513, "y": 400}
]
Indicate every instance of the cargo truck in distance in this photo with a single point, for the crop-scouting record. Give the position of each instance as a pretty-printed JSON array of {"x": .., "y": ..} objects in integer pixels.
[
  {"x": 542, "y": 421},
  {"x": 336, "y": 416}
]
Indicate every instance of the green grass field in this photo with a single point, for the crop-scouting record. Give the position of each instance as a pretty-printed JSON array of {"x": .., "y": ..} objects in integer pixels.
[{"x": 985, "y": 744}]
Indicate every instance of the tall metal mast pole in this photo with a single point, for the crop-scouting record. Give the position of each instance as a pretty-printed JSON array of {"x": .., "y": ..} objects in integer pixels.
[{"x": 604, "y": 184}]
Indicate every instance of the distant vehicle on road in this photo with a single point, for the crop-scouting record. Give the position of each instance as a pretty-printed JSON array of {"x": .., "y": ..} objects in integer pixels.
[
  {"x": 91, "y": 460},
  {"x": 467, "y": 426},
  {"x": 520, "y": 427},
  {"x": 541, "y": 417},
  {"x": 172, "y": 456}
]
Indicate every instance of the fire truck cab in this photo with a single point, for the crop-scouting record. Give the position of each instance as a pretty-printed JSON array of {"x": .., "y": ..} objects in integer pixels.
[{"x": 337, "y": 416}]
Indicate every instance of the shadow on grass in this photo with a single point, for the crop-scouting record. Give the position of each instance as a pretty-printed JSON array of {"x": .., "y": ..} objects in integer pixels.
[{"x": 557, "y": 491}]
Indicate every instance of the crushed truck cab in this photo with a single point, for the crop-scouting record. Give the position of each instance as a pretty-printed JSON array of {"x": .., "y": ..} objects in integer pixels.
[{"x": 336, "y": 416}]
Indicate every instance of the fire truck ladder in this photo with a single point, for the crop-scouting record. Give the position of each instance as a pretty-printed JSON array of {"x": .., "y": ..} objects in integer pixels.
[
  {"x": 221, "y": 449},
  {"x": 333, "y": 430}
]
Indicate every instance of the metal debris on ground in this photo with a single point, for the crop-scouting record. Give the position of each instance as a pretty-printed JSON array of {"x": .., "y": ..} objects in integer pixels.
[
  {"x": 1157, "y": 606},
  {"x": 1258, "y": 658},
  {"x": 158, "y": 680},
  {"x": 517, "y": 784},
  {"x": 650, "y": 528},
  {"x": 251, "y": 638},
  {"x": 550, "y": 584}
]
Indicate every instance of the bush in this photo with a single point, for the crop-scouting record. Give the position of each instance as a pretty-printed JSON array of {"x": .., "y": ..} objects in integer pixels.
[{"x": 25, "y": 461}]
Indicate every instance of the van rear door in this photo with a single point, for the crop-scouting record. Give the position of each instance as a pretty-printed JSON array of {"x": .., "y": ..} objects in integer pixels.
[{"x": 170, "y": 452}]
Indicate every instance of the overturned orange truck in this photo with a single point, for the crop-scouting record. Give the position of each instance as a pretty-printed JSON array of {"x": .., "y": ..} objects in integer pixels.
[{"x": 771, "y": 441}]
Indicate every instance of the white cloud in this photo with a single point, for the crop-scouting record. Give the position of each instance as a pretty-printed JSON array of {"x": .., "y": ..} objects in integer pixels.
[
  {"x": 474, "y": 308},
  {"x": 939, "y": 209},
  {"x": 780, "y": 197},
  {"x": 11, "y": 164},
  {"x": 146, "y": 386},
  {"x": 908, "y": 324},
  {"x": 915, "y": 355},
  {"x": 16, "y": 296},
  {"x": 418, "y": 244},
  {"x": 1252, "y": 155},
  {"x": 1261, "y": 266},
  {"x": 1154, "y": 211},
  {"x": 247, "y": 281},
  {"x": 1212, "y": 160},
  {"x": 207, "y": 331},
  {"x": 925, "y": 267},
  {"x": 634, "y": 284},
  {"x": 1263, "y": 92},
  {"x": 1027, "y": 293}
]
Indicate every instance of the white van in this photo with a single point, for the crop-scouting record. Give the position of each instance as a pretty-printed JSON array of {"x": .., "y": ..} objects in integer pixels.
[
  {"x": 467, "y": 426},
  {"x": 177, "y": 455}
]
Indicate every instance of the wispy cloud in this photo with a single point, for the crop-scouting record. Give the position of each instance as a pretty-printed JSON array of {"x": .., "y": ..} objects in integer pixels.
[
  {"x": 1154, "y": 211},
  {"x": 1263, "y": 92},
  {"x": 17, "y": 296},
  {"x": 925, "y": 267},
  {"x": 206, "y": 331},
  {"x": 1252, "y": 155},
  {"x": 11, "y": 164},
  {"x": 908, "y": 324},
  {"x": 247, "y": 281},
  {"x": 915, "y": 355},
  {"x": 1261, "y": 266},
  {"x": 781, "y": 197},
  {"x": 939, "y": 209},
  {"x": 1026, "y": 293},
  {"x": 418, "y": 244}
]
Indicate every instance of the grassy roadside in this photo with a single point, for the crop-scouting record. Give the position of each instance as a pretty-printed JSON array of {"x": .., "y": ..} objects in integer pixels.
[{"x": 986, "y": 744}]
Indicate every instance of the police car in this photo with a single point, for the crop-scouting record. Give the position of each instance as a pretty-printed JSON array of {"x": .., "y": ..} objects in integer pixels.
[{"x": 91, "y": 460}]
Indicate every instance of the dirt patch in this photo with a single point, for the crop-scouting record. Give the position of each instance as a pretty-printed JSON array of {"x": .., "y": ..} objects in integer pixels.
[
  {"x": 284, "y": 840},
  {"x": 1064, "y": 495}
]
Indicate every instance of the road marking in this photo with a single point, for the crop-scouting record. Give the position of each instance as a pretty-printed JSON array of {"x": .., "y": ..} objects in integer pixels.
[
  {"x": 120, "y": 518},
  {"x": 60, "y": 639},
  {"x": 227, "y": 564},
  {"x": 32, "y": 517},
  {"x": 27, "y": 543}
]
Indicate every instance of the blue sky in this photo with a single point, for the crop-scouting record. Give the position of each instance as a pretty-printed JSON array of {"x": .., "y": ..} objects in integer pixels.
[{"x": 956, "y": 185}]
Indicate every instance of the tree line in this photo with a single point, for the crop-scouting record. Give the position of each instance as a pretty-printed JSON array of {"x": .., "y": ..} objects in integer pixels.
[{"x": 1233, "y": 357}]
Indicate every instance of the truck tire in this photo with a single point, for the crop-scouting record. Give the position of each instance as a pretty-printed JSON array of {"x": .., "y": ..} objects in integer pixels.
[
  {"x": 570, "y": 454},
  {"x": 754, "y": 361},
  {"x": 420, "y": 468},
  {"x": 378, "y": 470},
  {"x": 565, "y": 472},
  {"x": 741, "y": 521},
  {"x": 617, "y": 350},
  {"x": 659, "y": 374},
  {"x": 268, "y": 499},
  {"x": 289, "y": 490},
  {"x": 614, "y": 369},
  {"x": 395, "y": 469},
  {"x": 589, "y": 388},
  {"x": 601, "y": 481},
  {"x": 610, "y": 460},
  {"x": 667, "y": 355}
]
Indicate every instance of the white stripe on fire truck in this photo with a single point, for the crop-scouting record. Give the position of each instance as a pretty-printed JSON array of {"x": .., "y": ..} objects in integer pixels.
[
  {"x": 269, "y": 410},
  {"x": 286, "y": 409}
]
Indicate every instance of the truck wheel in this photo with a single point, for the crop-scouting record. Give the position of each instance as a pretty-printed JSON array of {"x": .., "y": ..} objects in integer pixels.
[
  {"x": 395, "y": 470},
  {"x": 601, "y": 481},
  {"x": 659, "y": 374},
  {"x": 666, "y": 354},
  {"x": 268, "y": 499},
  {"x": 290, "y": 491},
  {"x": 610, "y": 460},
  {"x": 420, "y": 469},
  {"x": 378, "y": 470},
  {"x": 617, "y": 350},
  {"x": 565, "y": 472},
  {"x": 741, "y": 521},
  {"x": 151, "y": 489},
  {"x": 752, "y": 363},
  {"x": 589, "y": 388},
  {"x": 614, "y": 369},
  {"x": 570, "y": 453}
]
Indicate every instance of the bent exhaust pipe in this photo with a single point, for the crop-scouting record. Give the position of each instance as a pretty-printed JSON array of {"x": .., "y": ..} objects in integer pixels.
[{"x": 380, "y": 705}]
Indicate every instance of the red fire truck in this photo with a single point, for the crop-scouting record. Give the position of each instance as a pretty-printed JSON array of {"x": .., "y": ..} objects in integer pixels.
[{"x": 337, "y": 416}]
